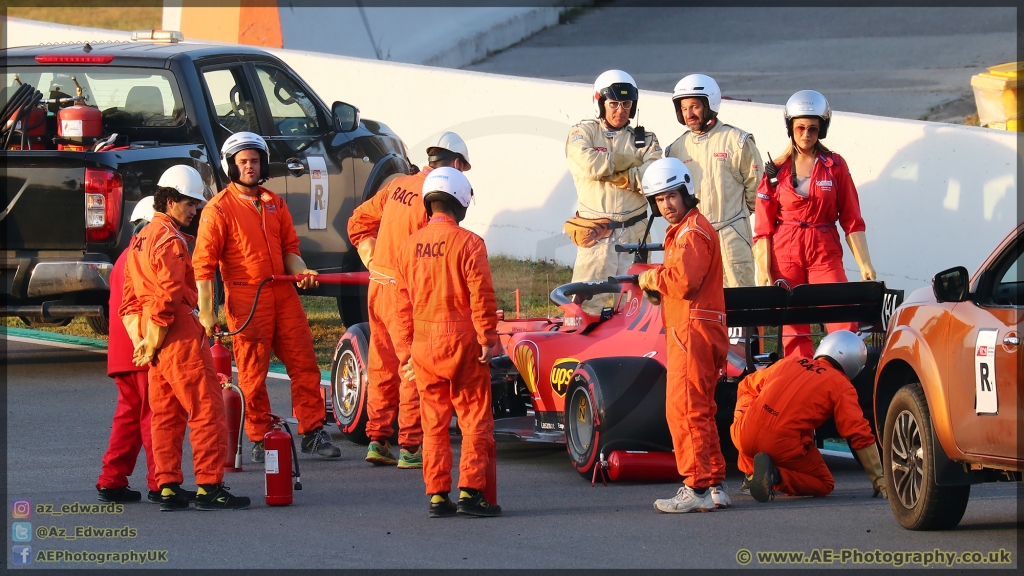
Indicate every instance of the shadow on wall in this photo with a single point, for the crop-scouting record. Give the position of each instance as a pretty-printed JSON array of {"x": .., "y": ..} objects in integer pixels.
[{"x": 947, "y": 216}]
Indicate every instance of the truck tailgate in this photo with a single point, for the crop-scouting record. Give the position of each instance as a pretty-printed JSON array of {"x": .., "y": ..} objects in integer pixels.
[{"x": 44, "y": 200}]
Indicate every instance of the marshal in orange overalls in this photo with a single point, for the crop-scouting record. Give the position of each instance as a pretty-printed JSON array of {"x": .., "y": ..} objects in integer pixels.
[
  {"x": 391, "y": 216},
  {"x": 160, "y": 285},
  {"x": 693, "y": 309},
  {"x": 447, "y": 311},
  {"x": 777, "y": 410},
  {"x": 248, "y": 238}
]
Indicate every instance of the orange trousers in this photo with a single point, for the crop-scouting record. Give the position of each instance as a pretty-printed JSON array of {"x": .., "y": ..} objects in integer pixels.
[
  {"x": 695, "y": 362},
  {"x": 803, "y": 471},
  {"x": 807, "y": 255},
  {"x": 279, "y": 326},
  {"x": 183, "y": 388},
  {"x": 388, "y": 392},
  {"x": 449, "y": 378}
]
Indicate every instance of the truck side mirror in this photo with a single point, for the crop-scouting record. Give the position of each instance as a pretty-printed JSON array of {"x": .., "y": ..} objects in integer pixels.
[
  {"x": 346, "y": 117},
  {"x": 951, "y": 285}
]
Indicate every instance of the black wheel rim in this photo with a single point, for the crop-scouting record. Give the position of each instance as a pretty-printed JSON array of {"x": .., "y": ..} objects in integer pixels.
[
  {"x": 580, "y": 417},
  {"x": 907, "y": 454},
  {"x": 347, "y": 382}
]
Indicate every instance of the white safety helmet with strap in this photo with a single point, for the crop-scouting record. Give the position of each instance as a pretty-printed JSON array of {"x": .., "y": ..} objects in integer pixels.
[
  {"x": 449, "y": 185},
  {"x": 614, "y": 85},
  {"x": 451, "y": 142},
  {"x": 143, "y": 210},
  {"x": 244, "y": 141},
  {"x": 186, "y": 180},
  {"x": 808, "y": 104},
  {"x": 846, "y": 349},
  {"x": 698, "y": 86},
  {"x": 665, "y": 175}
]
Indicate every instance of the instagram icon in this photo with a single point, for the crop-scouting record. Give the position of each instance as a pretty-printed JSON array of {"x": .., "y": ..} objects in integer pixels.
[{"x": 21, "y": 509}]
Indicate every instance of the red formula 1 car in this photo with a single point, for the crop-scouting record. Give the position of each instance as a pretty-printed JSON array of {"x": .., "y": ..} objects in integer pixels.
[{"x": 596, "y": 383}]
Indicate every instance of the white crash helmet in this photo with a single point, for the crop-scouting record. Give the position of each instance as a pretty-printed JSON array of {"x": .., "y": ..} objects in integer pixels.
[
  {"x": 186, "y": 180},
  {"x": 698, "y": 86},
  {"x": 143, "y": 210},
  {"x": 808, "y": 104},
  {"x": 665, "y": 175},
  {"x": 244, "y": 141},
  {"x": 451, "y": 142},
  {"x": 450, "y": 185},
  {"x": 614, "y": 85},
  {"x": 847, "y": 349}
]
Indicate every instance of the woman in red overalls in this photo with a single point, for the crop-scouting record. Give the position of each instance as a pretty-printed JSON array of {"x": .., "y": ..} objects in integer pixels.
[{"x": 799, "y": 201}]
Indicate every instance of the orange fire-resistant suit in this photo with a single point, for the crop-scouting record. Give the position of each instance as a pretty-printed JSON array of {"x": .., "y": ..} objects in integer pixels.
[
  {"x": 777, "y": 410},
  {"x": 446, "y": 312},
  {"x": 248, "y": 238},
  {"x": 693, "y": 310},
  {"x": 394, "y": 213},
  {"x": 805, "y": 246},
  {"x": 160, "y": 285}
]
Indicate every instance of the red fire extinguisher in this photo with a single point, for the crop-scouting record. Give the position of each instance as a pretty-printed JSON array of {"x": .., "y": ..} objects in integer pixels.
[
  {"x": 234, "y": 406},
  {"x": 79, "y": 123},
  {"x": 641, "y": 465},
  {"x": 491, "y": 490},
  {"x": 276, "y": 445}
]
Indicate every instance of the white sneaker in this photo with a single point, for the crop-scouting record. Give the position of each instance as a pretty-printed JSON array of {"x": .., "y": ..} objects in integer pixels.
[
  {"x": 719, "y": 495},
  {"x": 686, "y": 500}
]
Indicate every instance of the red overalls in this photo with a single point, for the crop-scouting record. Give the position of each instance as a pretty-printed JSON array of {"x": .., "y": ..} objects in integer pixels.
[{"x": 804, "y": 240}]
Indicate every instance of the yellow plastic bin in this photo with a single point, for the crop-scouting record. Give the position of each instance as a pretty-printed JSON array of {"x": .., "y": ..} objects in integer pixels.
[{"x": 995, "y": 92}]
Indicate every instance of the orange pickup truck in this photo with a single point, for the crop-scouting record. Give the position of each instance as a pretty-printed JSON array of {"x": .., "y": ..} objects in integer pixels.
[{"x": 948, "y": 398}]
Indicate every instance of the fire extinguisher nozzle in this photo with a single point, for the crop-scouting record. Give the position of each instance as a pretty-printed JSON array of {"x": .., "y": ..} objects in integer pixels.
[{"x": 298, "y": 485}]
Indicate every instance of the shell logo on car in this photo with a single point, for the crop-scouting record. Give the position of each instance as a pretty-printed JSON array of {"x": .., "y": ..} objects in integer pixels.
[
  {"x": 526, "y": 361},
  {"x": 561, "y": 374}
]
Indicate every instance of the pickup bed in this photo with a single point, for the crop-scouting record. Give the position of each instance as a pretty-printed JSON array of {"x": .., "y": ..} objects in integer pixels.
[{"x": 70, "y": 184}]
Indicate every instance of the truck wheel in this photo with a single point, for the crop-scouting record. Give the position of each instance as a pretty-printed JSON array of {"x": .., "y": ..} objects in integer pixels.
[
  {"x": 618, "y": 403},
  {"x": 99, "y": 324},
  {"x": 916, "y": 500},
  {"x": 349, "y": 381}
]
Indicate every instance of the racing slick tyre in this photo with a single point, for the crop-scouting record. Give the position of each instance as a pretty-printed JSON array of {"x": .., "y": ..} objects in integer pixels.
[
  {"x": 908, "y": 451},
  {"x": 618, "y": 401}
]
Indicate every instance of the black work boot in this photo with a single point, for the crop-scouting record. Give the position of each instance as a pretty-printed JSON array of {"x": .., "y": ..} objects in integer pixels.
[
  {"x": 154, "y": 495},
  {"x": 172, "y": 498},
  {"x": 441, "y": 506},
  {"x": 217, "y": 497},
  {"x": 765, "y": 478},
  {"x": 258, "y": 455},
  {"x": 318, "y": 443},
  {"x": 121, "y": 495},
  {"x": 473, "y": 503}
]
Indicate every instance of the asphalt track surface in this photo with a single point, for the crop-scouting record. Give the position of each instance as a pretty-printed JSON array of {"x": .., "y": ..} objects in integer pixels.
[
  {"x": 352, "y": 515},
  {"x": 913, "y": 63}
]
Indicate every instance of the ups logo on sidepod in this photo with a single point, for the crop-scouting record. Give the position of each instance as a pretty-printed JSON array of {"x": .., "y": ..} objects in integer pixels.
[{"x": 561, "y": 373}]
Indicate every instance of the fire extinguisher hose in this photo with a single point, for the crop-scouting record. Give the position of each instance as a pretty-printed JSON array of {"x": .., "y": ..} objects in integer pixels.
[
  {"x": 295, "y": 457},
  {"x": 241, "y": 425},
  {"x": 341, "y": 278}
]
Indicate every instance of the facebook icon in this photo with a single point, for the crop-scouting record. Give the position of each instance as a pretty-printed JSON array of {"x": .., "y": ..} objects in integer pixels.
[{"x": 22, "y": 555}]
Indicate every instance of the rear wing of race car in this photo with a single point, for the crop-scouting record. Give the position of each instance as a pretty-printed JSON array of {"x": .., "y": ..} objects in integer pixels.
[{"x": 870, "y": 304}]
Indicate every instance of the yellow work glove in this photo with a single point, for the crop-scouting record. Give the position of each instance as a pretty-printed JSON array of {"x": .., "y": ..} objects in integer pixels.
[
  {"x": 859, "y": 245},
  {"x": 207, "y": 313},
  {"x": 873, "y": 466},
  {"x": 763, "y": 262},
  {"x": 146, "y": 349},
  {"x": 408, "y": 371},
  {"x": 648, "y": 280},
  {"x": 131, "y": 324},
  {"x": 293, "y": 266},
  {"x": 624, "y": 161},
  {"x": 365, "y": 251}
]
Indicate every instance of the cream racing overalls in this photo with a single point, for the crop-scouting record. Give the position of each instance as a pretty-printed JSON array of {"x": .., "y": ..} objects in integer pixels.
[
  {"x": 726, "y": 165},
  {"x": 590, "y": 151}
]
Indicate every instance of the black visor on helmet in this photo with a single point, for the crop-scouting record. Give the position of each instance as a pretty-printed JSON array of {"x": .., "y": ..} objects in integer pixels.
[{"x": 620, "y": 91}]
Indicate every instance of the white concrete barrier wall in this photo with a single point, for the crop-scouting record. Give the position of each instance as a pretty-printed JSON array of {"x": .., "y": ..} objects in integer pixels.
[{"x": 933, "y": 195}]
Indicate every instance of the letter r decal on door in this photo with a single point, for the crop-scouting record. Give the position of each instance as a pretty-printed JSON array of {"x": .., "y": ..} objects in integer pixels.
[
  {"x": 986, "y": 401},
  {"x": 319, "y": 192}
]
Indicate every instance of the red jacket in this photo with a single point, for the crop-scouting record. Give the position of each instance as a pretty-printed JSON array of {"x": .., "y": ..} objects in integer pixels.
[
  {"x": 797, "y": 395},
  {"x": 832, "y": 197},
  {"x": 119, "y": 346}
]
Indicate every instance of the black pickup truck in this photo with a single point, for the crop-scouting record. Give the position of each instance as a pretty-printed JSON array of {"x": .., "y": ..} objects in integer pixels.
[{"x": 98, "y": 124}]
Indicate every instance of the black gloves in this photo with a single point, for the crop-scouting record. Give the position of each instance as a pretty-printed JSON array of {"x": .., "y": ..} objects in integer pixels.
[{"x": 772, "y": 171}]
